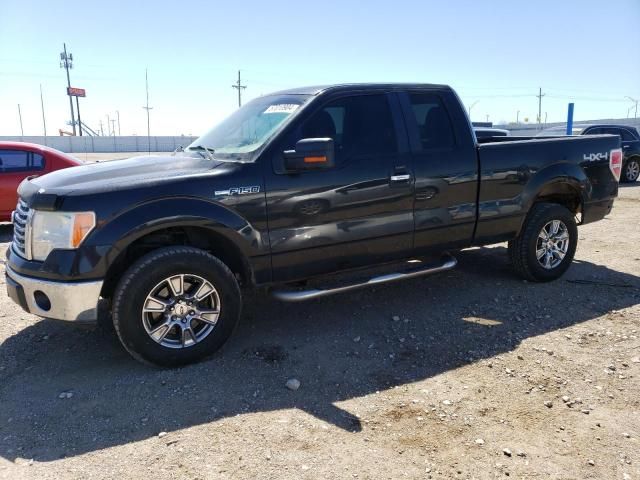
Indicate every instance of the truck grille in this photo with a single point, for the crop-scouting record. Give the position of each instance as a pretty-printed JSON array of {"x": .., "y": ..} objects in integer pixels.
[{"x": 20, "y": 222}]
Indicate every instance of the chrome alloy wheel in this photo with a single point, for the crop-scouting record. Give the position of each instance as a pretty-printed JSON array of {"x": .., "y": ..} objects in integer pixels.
[
  {"x": 552, "y": 244},
  {"x": 632, "y": 172},
  {"x": 181, "y": 311}
]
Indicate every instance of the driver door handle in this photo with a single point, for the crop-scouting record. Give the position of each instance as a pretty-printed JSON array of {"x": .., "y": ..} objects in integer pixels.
[{"x": 401, "y": 178}]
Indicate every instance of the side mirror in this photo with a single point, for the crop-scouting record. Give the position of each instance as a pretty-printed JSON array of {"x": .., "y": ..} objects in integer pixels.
[{"x": 310, "y": 154}]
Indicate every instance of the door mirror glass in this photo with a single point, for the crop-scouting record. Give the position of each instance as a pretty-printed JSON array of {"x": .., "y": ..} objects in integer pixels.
[{"x": 311, "y": 154}]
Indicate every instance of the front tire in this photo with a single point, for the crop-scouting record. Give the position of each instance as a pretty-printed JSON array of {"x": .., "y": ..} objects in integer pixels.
[
  {"x": 546, "y": 245},
  {"x": 631, "y": 171},
  {"x": 175, "y": 306}
]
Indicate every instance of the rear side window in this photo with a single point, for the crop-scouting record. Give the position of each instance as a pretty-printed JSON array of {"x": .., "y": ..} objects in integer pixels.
[
  {"x": 626, "y": 136},
  {"x": 20, "y": 161},
  {"x": 359, "y": 126},
  {"x": 434, "y": 125},
  {"x": 37, "y": 161}
]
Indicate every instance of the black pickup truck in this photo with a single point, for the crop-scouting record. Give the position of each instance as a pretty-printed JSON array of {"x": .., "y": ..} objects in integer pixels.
[{"x": 298, "y": 184}]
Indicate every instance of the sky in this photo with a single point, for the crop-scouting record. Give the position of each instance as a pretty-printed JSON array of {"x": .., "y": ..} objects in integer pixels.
[{"x": 496, "y": 54}]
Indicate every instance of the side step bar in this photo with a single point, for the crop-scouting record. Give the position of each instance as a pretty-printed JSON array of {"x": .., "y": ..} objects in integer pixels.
[{"x": 301, "y": 295}]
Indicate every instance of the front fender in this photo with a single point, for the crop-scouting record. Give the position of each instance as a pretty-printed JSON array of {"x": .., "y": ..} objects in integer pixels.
[{"x": 114, "y": 235}]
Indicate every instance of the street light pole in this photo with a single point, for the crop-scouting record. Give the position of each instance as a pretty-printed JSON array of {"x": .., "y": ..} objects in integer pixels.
[
  {"x": 634, "y": 100},
  {"x": 471, "y": 106}
]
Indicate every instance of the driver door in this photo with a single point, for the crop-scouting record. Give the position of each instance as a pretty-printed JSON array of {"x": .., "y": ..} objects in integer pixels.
[{"x": 360, "y": 212}]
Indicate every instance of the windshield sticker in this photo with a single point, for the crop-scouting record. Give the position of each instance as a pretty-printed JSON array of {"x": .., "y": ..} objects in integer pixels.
[{"x": 282, "y": 108}]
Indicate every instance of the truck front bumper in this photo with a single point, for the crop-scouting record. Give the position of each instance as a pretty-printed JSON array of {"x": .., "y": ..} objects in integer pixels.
[{"x": 71, "y": 301}]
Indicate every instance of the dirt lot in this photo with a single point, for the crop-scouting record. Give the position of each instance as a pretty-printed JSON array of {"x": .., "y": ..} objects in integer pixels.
[{"x": 470, "y": 374}]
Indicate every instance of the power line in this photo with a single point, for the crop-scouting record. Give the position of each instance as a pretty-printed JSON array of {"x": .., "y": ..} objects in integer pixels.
[
  {"x": 239, "y": 87},
  {"x": 66, "y": 62}
]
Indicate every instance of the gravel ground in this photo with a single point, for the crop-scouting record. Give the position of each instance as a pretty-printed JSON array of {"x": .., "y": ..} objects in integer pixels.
[{"x": 470, "y": 374}]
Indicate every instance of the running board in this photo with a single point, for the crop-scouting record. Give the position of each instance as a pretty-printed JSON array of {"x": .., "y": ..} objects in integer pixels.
[{"x": 301, "y": 295}]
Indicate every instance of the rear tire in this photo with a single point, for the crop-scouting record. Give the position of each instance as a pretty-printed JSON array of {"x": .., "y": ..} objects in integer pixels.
[
  {"x": 546, "y": 245},
  {"x": 631, "y": 171},
  {"x": 175, "y": 306}
]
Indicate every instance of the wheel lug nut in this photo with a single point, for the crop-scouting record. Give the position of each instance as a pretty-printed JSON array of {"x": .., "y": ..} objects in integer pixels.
[
  {"x": 184, "y": 320},
  {"x": 192, "y": 312}
]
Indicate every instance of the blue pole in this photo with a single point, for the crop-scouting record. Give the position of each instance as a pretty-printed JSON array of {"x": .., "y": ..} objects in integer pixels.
[{"x": 570, "y": 119}]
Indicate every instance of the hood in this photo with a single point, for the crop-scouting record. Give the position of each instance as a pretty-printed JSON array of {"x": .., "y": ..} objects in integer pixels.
[{"x": 143, "y": 171}]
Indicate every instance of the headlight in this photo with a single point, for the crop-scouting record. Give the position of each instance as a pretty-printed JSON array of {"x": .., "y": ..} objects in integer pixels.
[{"x": 50, "y": 230}]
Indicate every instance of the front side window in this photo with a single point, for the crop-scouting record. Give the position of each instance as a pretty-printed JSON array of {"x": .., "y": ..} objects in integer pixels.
[
  {"x": 249, "y": 128},
  {"x": 434, "y": 125},
  {"x": 359, "y": 125},
  {"x": 20, "y": 161}
]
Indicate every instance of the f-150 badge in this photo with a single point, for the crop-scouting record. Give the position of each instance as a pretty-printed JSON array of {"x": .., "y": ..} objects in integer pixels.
[{"x": 238, "y": 191}]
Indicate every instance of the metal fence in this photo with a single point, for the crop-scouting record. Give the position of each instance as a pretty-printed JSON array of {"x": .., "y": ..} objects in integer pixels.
[{"x": 87, "y": 144}]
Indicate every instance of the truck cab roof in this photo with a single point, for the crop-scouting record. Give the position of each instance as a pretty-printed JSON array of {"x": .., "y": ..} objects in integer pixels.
[{"x": 350, "y": 87}]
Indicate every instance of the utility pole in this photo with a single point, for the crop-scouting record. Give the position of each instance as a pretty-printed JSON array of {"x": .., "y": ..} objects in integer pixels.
[
  {"x": 20, "y": 116},
  {"x": 44, "y": 122},
  {"x": 147, "y": 108},
  {"x": 518, "y": 117},
  {"x": 113, "y": 126},
  {"x": 79, "y": 121},
  {"x": 101, "y": 129},
  {"x": 239, "y": 87},
  {"x": 634, "y": 100},
  {"x": 118, "y": 114},
  {"x": 108, "y": 125},
  {"x": 540, "y": 95},
  {"x": 66, "y": 62}
]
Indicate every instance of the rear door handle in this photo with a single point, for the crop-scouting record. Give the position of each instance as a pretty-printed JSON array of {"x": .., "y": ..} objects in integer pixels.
[{"x": 401, "y": 178}]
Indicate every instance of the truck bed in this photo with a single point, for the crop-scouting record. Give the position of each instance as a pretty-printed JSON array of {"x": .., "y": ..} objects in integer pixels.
[{"x": 514, "y": 169}]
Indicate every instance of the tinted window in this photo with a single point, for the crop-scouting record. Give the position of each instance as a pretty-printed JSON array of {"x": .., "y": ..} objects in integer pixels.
[
  {"x": 14, "y": 160},
  {"x": 626, "y": 136},
  {"x": 593, "y": 131},
  {"x": 37, "y": 161},
  {"x": 434, "y": 124},
  {"x": 359, "y": 125},
  {"x": 611, "y": 131},
  {"x": 20, "y": 161}
]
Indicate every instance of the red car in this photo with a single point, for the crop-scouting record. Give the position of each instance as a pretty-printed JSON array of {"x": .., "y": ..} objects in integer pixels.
[{"x": 20, "y": 160}]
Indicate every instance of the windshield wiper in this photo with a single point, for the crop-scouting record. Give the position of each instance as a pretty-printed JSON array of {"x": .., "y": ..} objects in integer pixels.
[{"x": 201, "y": 148}]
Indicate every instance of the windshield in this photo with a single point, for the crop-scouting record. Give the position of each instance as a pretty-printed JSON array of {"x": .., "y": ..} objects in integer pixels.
[{"x": 249, "y": 128}]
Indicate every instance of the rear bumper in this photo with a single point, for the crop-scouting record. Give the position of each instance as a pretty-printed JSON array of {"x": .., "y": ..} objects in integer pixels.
[
  {"x": 70, "y": 301},
  {"x": 594, "y": 211}
]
